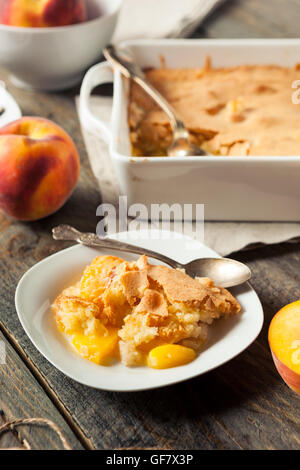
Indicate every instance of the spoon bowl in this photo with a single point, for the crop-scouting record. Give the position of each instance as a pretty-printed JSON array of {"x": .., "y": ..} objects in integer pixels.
[
  {"x": 224, "y": 272},
  {"x": 184, "y": 148}
]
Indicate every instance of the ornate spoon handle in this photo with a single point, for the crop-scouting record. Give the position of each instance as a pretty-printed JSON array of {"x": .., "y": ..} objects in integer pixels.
[{"x": 66, "y": 232}]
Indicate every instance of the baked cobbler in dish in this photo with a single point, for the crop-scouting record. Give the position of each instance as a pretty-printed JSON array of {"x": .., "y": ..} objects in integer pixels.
[
  {"x": 140, "y": 313},
  {"x": 238, "y": 111}
]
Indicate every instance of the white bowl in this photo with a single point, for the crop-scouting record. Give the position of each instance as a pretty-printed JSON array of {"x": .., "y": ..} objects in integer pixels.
[
  {"x": 232, "y": 188},
  {"x": 43, "y": 282},
  {"x": 56, "y": 58}
]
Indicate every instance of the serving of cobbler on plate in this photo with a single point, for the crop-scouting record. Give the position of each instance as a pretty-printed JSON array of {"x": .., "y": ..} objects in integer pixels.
[{"x": 139, "y": 313}]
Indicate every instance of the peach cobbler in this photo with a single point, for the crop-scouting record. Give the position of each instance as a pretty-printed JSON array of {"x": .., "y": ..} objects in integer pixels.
[
  {"x": 140, "y": 313},
  {"x": 238, "y": 111}
]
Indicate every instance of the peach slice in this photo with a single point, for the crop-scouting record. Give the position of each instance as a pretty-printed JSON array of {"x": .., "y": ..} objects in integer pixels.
[
  {"x": 284, "y": 341},
  {"x": 101, "y": 349},
  {"x": 170, "y": 355}
]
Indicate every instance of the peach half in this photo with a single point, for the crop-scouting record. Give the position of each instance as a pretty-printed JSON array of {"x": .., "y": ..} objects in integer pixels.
[
  {"x": 39, "y": 168},
  {"x": 284, "y": 341}
]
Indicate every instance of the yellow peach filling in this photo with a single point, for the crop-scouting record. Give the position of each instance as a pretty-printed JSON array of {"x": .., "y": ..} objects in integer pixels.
[{"x": 101, "y": 349}]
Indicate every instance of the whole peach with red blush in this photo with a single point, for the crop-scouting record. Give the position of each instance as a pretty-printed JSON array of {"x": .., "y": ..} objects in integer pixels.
[
  {"x": 39, "y": 168},
  {"x": 42, "y": 13}
]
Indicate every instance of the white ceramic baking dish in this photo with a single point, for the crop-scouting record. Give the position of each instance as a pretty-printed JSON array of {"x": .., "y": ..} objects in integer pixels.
[{"x": 232, "y": 188}]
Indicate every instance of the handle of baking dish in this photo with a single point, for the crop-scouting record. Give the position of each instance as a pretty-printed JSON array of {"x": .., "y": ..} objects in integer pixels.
[{"x": 96, "y": 75}]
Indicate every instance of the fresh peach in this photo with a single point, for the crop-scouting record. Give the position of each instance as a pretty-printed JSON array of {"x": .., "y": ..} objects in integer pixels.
[
  {"x": 284, "y": 340},
  {"x": 42, "y": 13},
  {"x": 39, "y": 167}
]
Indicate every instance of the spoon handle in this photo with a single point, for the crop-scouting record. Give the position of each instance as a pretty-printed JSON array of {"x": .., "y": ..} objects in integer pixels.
[
  {"x": 66, "y": 232},
  {"x": 132, "y": 70},
  {"x": 177, "y": 125}
]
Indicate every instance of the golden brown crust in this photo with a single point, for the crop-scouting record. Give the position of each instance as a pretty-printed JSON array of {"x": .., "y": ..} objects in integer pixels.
[
  {"x": 134, "y": 284},
  {"x": 179, "y": 287},
  {"x": 75, "y": 313},
  {"x": 153, "y": 303},
  {"x": 244, "y": 110}
]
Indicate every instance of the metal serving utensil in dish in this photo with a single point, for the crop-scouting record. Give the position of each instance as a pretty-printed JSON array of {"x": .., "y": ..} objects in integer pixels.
[
  {"x": 224, "y": 272},
  {"x": 181, "y": 145}
]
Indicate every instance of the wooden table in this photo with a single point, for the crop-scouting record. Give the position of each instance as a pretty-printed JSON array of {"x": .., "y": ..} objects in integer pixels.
[{"x": 241, "y": 405}]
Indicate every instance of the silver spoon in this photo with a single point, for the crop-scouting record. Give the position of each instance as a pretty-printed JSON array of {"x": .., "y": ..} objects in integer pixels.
[
  {"x": 181, "y": 145},
  {"x": 224, "y": 272}
]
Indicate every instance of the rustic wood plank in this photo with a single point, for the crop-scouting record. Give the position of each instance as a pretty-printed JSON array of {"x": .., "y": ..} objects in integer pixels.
[
  {"x": 22, "y": 397},
  {"x": 253, "y": 19},
  {"x": 242, "y": 405},
  {"x": 10, "y": 440}
]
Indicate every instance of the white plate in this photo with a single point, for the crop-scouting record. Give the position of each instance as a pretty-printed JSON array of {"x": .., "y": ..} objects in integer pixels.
[{"x": 42, "y": 283}]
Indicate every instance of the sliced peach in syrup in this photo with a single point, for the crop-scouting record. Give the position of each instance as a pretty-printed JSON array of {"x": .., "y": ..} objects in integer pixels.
[{"x": 101, "y": 349}]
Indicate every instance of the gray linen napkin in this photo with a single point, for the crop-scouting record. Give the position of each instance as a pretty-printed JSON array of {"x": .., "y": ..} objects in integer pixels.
[{"x": 161, "y": 18}]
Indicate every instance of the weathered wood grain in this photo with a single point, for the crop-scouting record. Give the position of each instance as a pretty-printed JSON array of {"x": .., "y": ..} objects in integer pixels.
[
  {"x": 253, "y": 19},
  {"x": 242, "y": 405},
  {"x": 22, "y": 397},
  {"x": 10, "y": 440}
]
